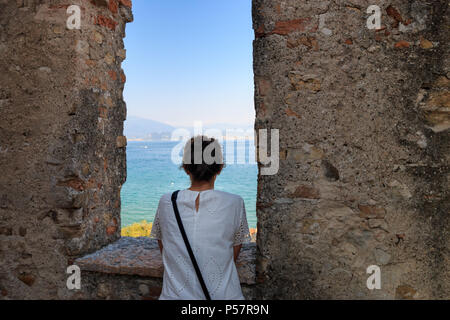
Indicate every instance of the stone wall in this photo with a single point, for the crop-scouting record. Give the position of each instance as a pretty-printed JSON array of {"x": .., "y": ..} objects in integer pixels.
[
  {"x": 62, "y": 153},
  {"x": 364, "y": 148},
  {"x": 132, "y": 268},
  {"x": 363, "y": 118}
]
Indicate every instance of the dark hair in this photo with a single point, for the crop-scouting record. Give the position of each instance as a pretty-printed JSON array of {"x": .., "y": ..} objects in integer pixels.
[{"x": 205, "y": 163}]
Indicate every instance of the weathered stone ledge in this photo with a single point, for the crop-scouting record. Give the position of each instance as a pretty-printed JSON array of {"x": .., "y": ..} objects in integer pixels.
[{"x": 141, "y": 257}]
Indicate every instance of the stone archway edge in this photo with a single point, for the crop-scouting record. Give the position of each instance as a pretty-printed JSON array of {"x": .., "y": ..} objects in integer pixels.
[{"x": 141, "y": 257}]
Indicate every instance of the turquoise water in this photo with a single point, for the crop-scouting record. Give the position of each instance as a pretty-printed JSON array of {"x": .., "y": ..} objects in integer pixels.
[{"x": 151, "y": 173}]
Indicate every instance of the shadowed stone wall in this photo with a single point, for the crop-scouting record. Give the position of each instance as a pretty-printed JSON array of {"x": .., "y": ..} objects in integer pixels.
[
  {"x": 62, "y": 153},
  {"x": 363, "y": 118}
]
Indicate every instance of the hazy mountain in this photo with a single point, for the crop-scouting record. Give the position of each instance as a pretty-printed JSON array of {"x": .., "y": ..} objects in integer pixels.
[
  {"x": 224, "y": 127},
  {"x": 229, "y": 126},
  {"x": 146, "y": 129}
]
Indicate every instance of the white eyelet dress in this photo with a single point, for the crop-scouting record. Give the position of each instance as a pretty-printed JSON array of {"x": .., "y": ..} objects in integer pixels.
[{"x": 219, "y": 224}]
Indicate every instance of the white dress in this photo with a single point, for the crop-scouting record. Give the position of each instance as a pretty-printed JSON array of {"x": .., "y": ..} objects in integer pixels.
[{"x": 219, "y": 224}]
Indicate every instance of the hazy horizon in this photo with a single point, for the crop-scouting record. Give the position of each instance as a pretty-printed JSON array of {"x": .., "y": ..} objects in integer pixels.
[
  {"x": 250, "y": 123},
  {"x": 144, "y": 129}
]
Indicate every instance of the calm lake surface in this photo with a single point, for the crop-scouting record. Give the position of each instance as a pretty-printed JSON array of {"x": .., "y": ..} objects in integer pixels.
[{"x": 151, "y": 173}]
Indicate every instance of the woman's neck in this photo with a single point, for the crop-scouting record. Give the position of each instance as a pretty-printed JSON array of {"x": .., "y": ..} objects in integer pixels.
[{"x": 202, "y": 185}]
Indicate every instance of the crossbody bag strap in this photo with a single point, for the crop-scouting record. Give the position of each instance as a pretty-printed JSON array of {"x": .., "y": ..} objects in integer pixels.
[{"x": 188, "y": 246}]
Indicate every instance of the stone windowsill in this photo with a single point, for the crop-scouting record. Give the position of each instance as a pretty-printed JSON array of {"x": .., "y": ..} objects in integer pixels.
[{"x": 141, "y": 257}]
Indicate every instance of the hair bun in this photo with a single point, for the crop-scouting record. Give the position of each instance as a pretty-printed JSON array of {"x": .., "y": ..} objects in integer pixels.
[{"x": 202, "y": 158}]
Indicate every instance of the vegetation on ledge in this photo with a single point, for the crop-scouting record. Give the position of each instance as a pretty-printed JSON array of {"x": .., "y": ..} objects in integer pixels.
[
  {"x": 138, "y": 229},
  {"x": 143, "y": 229}
]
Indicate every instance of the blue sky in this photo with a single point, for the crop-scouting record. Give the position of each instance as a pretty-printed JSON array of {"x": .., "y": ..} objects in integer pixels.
[{"x": 190, "y": 60}]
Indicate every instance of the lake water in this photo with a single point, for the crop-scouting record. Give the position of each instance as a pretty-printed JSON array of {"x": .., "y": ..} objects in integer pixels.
[{"x": 151, "y": 173}]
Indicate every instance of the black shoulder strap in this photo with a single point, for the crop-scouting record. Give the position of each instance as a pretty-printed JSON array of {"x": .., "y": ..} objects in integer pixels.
[{"x": 188, "y": 246}]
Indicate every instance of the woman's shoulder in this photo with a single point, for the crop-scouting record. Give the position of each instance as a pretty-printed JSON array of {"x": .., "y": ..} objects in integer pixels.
[
  {"x": 166, "y": 198},
  {"x": 231, "y": 197}
]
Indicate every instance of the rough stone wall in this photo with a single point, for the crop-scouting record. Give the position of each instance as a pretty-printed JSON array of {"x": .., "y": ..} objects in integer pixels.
[
  {"x": 363, "y": 118},
  {"x": 62, "y": 153}
]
